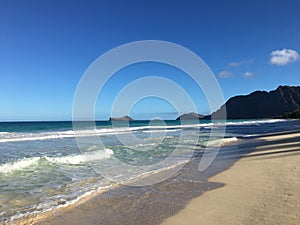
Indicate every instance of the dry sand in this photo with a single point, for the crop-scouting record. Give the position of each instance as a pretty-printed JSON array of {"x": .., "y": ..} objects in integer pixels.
[{"x": 261, "y": 188}]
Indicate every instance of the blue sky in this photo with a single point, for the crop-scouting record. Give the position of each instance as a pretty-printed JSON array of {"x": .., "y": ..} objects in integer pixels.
[{"x": 46, "y": 46}]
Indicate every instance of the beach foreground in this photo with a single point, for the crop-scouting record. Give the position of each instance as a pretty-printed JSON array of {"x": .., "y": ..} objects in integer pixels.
[
  {"x": 261, "y": 188},
  {"x": 255, "y": 181}
]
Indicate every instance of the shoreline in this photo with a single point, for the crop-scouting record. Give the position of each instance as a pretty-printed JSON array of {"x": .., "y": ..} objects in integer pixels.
[
  {"x": 156, "y": 193},
  {"x": 153, "y": 204}
]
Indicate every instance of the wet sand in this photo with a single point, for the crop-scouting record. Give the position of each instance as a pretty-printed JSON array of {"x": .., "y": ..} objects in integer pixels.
[{"x": 230, "y": 191}]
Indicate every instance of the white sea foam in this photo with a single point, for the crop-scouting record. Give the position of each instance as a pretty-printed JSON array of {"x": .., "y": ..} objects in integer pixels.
[
  {"x": 30, "y": 138},
  {"x": 19, "y": 165},
  {"x": 78, "y": 159},
  {"x": 49, "y": 206},
  {"x": 255, "y": 122},
  {"x": 250, "y": 135},
  {"x": 161, "y": 130},
  {"x": 69, "y": 159},
  {"x": 17, "y": 137},
  {"x": 221, "y": 142}
]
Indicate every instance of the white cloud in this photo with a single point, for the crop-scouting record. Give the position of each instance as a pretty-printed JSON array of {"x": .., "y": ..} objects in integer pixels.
[
  {"x": 248, "y": 74},
  {"x": 283, "y": 57},
  {"x": 240, "y": 63},
  {"x": 225, "y": 74},
  {"x": 234, "y": 64}
]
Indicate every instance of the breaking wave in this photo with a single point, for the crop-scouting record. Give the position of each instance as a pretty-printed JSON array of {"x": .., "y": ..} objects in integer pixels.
[{"x": 26, "y": 163}]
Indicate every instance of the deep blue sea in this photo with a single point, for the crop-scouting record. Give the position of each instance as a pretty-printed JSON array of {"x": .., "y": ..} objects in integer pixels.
[{"x": 42, "y": 167}]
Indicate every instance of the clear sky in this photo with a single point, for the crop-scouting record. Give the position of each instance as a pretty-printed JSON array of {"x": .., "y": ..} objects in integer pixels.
[{"x": 46, "y": 46}]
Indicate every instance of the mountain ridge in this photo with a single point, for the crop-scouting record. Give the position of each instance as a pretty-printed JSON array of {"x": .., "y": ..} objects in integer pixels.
[{"x": 261, "y": 104}]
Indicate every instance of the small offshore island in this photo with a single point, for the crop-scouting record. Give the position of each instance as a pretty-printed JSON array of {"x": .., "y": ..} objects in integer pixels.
[{"x": 124, "y": 118}]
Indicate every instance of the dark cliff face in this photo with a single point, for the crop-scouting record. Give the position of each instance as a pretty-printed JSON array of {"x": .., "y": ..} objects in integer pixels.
[
  {"x": 190, "y": 116},
  {"x": 262, "y": 104},
  {"x": 292, "y": 115}
]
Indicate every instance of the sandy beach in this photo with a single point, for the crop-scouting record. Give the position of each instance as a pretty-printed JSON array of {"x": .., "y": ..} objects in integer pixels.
[
  {"x": 261, "y": 188},
  {"x": 255, "y": 181}
]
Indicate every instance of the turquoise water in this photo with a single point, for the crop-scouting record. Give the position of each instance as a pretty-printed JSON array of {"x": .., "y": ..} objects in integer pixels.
[{"x": 41, "y": 166}]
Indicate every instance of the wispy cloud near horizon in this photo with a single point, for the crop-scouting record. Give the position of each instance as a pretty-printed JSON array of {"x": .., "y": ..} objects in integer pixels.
[
  {"x": 240, "y": 63},
  {"x": 225, "y": 74},
  {"x": 284, "y": 57},
  {"x": 236, "y": 66},
  {"x": 248, "y": 74}
]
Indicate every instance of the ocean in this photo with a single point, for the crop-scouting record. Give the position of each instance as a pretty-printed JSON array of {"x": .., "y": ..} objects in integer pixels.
[{"x": 42, "y": 167}]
